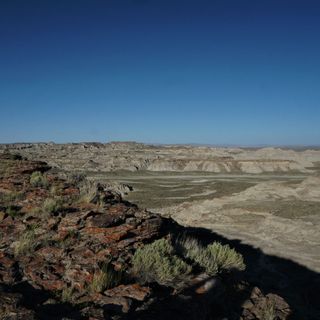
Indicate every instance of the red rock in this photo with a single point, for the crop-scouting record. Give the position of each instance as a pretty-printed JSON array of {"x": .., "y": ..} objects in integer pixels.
[
  {"x": 70, "y": 191},
  {"x": 258, "y": 304},
  {"x": 103, "y": 254},
  {"x": 134, "y": 291},
  {"x": 47, "y": 276},
  {"x": 79, "y": 277},
  {"x": 8, "y": 272},
  {"x": 113, "y": 233},
  {"x": 110, "y": 303},
  {"x": 87, "y": 255},
  {"x": 104, "y": 220},
  {"x": 50, "y": 253}
]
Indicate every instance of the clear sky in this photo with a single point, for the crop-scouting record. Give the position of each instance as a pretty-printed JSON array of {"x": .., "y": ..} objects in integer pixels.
[{"x": 163, "y": 71}]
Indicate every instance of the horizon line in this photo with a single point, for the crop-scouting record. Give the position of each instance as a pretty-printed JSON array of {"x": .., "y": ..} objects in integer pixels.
[{"x": 195, "y": 144}]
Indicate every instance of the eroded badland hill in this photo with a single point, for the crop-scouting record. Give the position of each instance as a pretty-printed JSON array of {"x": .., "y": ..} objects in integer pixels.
[{"x": 138, "y": 157}]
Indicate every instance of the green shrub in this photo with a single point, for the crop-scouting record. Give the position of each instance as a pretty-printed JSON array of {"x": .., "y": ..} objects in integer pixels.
[
  {"x": 88, "y": 191},
  {"x": 157, "y": 262},
  {"x": 53, "y": 205},
  {"x": 215, "y": 258},
  {"x": 37, "y": 179},
  {"x": 188, "y": 247},
  {"x": 225, "y": 257},
  {"x": 169, "y": 264},
  {"x": 26, "y": 243},
  {"x": 55, "y": 190},
  {"x": 13, "y": 211},
  {"x": 193, "y": 250},
  {"x": 106, "y": 278}
]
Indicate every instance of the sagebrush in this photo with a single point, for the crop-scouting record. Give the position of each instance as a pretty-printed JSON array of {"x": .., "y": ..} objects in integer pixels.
[
  {"x": 157, "y": 262},
  {"x": 37, "y": 179},
  {"x": 53, "y": 205},
  {"x": 215, "y": 258},
  {"x": 170, "y": 263}
]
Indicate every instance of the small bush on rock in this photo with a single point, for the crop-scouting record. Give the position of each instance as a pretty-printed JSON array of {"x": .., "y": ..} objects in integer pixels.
[
  {"x": 193, "y": 250},
  {"x": 53, "y": 205},
  {"x": 37, "y": 179},
  {"x": 157, "y": 262},
  {"x": 26, "y": 243}
]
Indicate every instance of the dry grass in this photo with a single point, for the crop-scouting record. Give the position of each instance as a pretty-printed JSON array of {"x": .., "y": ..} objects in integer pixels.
[
  {"x": 26, "y": 243},
  {"x": 88, "y": 190},
  {"x": 269, "y": 312},
  {"x": 11, "y": 197},
  {"x": 67, "y": 295},
  {"x": 106, "y": 278}
]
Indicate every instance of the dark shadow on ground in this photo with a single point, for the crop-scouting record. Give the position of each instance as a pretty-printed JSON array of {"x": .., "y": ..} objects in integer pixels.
[
  {"x": 297, "y": 284},
  {"x": 35, "y": 300}
]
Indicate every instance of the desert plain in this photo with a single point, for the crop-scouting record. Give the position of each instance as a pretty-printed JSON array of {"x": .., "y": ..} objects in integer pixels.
[{"x": 268, "y": 197}]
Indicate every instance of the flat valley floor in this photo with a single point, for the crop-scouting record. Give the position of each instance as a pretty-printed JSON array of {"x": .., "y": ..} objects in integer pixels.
[{"x": 278, "y": 213}]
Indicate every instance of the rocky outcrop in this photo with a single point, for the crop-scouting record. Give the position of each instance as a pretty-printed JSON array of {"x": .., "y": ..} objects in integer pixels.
[{"x": 260, "y": 306}]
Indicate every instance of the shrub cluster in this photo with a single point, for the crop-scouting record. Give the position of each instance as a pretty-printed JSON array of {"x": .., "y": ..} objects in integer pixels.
[
  {"x": 170, "y": 264},
  {"x": 215, "y": 258}
]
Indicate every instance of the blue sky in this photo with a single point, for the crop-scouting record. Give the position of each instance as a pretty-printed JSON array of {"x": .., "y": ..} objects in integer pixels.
[{"x": 162, "y": 71}]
